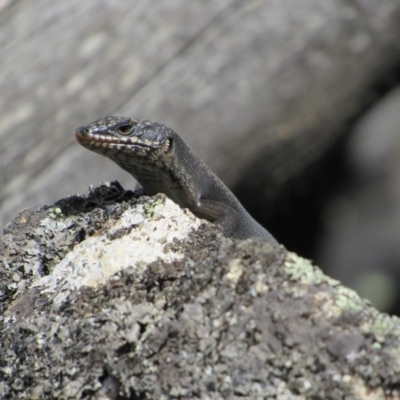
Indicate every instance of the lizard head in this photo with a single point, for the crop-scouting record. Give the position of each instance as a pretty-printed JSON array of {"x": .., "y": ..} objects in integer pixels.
[{"x": 111, "y": 136}]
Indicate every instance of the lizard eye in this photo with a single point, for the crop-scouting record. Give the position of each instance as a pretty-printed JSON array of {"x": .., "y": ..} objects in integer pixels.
[{"x": 124, "y": 129}]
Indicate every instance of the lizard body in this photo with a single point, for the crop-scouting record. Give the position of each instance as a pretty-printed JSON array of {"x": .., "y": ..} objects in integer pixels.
[{"x": 159, "y": 159}]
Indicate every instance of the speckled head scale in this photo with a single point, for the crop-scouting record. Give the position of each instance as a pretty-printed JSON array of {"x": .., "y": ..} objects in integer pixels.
[{"x": 118, "y": 134}]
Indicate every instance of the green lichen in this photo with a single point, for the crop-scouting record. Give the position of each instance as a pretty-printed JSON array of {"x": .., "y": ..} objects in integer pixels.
[
  {"x": 383, "y": 325},
  {"x": 301, "y": 269},
  {"x": 380, "y": 325},
  {"x": 151, "y": 205},
  {"x": 55, "y": 212},
  {"x": 348, "y": 299}
]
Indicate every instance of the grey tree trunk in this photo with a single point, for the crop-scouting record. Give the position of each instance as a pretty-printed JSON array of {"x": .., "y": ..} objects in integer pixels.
[{"x": 259, "y": 89}]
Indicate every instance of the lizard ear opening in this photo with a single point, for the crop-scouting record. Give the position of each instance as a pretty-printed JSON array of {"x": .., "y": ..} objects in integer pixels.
[{"x": 168, "y": 146}]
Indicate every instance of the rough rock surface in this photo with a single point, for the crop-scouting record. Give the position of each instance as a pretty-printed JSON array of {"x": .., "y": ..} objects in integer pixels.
[{"x": 139, "y": 299}]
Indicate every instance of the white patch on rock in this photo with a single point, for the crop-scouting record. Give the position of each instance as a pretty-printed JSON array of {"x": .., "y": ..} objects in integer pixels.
[
  {"x": 135, "y": 240},
  {"x": 235, "y": 271}
]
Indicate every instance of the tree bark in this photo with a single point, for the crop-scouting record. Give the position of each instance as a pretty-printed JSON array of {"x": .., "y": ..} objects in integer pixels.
[{"x": 259, "y": 89}]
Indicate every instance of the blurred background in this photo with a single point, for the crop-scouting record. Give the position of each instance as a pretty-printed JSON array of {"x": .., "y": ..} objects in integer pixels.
[{"x": 295, "y": 104}]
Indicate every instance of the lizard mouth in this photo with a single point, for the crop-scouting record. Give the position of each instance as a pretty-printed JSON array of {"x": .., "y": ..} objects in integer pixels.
[
  {"x": 101, "y": 140},
  {"x": 98, "y": 141}
]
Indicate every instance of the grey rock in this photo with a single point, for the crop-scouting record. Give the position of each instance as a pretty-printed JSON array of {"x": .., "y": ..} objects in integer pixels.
[{"x": 186, "y": 313}]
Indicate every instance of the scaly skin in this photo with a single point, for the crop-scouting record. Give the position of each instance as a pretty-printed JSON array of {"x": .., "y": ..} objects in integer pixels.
[{"x": 162, "y": 162}]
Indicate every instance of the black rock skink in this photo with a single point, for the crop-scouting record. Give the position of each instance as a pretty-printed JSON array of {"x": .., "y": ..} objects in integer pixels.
[{"x": 162, "y": 162}]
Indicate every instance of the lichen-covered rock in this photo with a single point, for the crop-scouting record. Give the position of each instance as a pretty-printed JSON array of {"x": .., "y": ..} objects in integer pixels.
[{"x": 143, "y": 300}]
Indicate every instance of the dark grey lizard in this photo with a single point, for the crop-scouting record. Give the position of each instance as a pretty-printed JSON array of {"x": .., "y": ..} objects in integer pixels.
[{"x": 162, "y": 162}]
